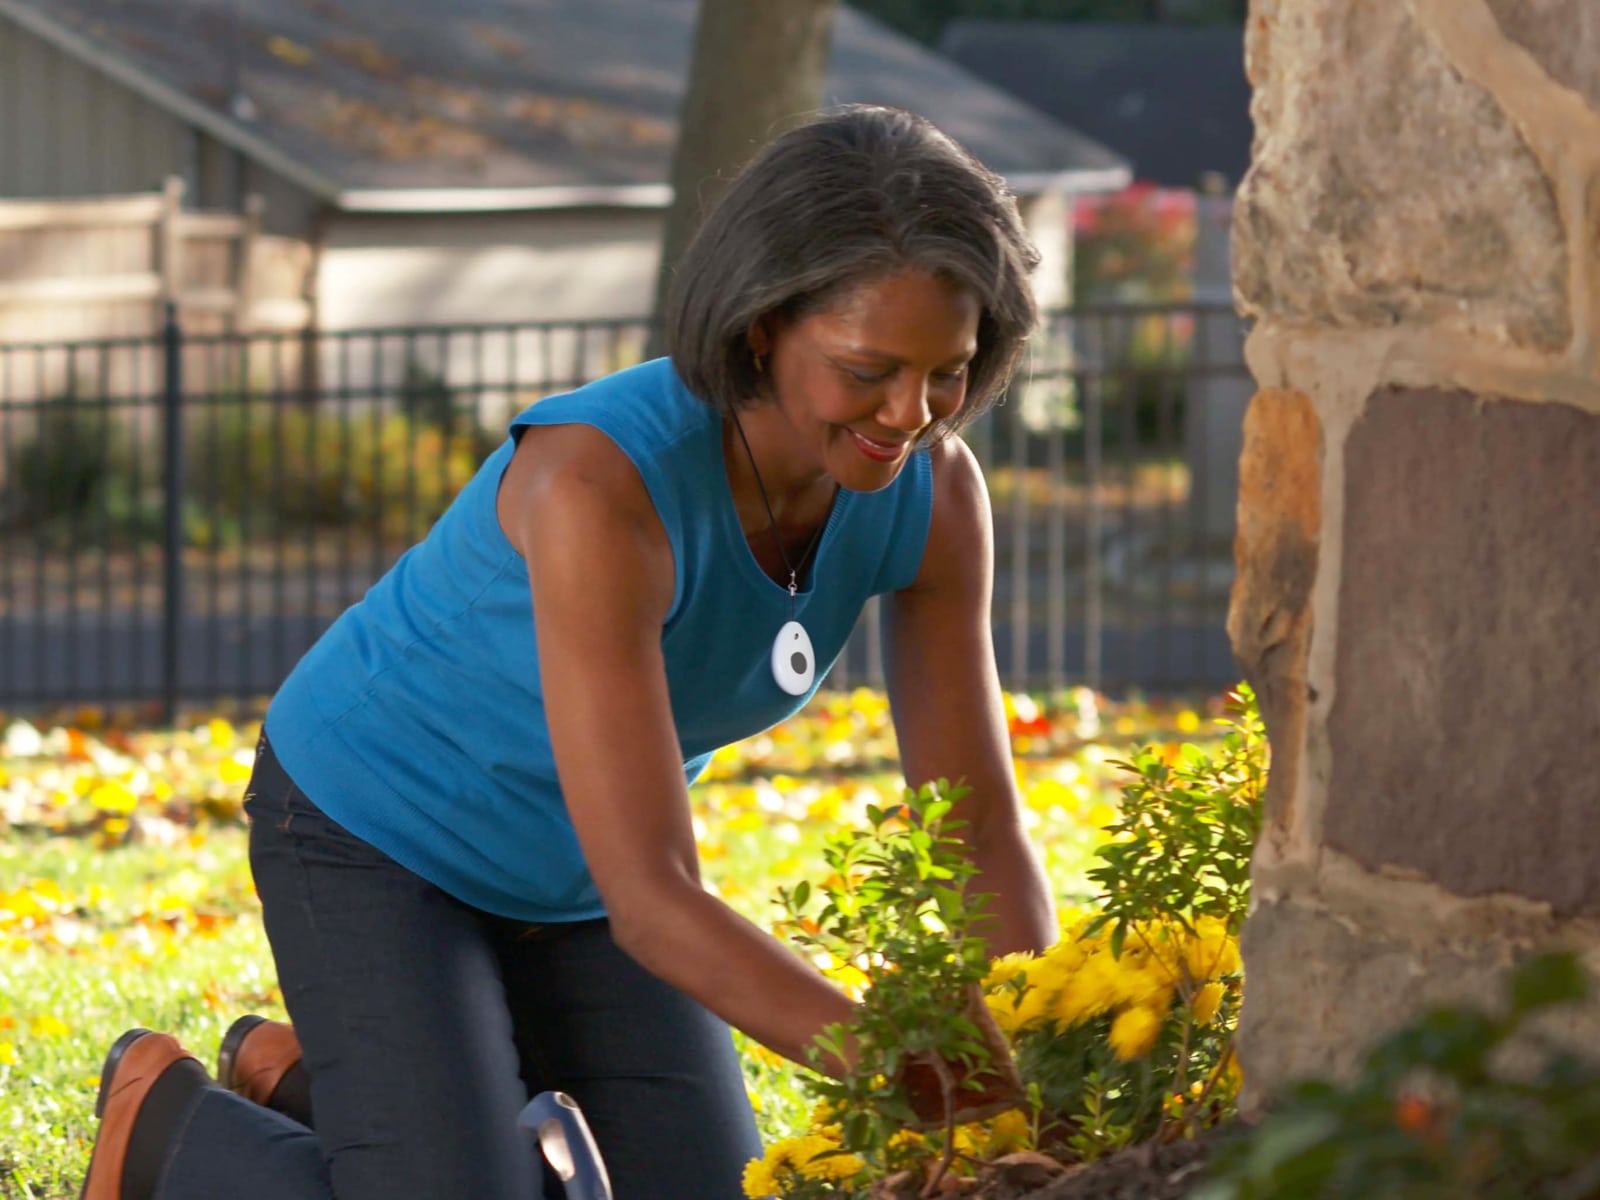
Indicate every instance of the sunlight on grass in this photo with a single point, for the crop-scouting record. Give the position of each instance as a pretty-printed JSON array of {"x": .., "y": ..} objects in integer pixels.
[
  {"x": 113, "y": 945},
  {"x": 125, "y": 894}
]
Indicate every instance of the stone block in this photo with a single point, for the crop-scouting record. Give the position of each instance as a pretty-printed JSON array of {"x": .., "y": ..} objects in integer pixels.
[
  {"x": 1322, "y": 993},
  {"x": 1563, "y": 35},
  {"x": 1275, "y": 554},
  {"x": 1465, "y": 725},
  {"x": 1386, "y": 188}
]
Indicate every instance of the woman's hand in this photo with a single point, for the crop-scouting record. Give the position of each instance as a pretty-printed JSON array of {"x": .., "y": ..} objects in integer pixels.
[{"x": 943, "y": 1094}]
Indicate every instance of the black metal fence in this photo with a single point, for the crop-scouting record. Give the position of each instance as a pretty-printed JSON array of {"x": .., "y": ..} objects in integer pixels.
[{"x": 181, "y": 516}]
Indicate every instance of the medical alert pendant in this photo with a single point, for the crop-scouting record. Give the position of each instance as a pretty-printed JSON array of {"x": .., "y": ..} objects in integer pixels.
[{"x": 794, "y": 663}]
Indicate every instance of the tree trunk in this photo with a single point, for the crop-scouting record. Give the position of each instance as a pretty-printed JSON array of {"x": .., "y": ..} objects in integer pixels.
[{"x": 758, "y": 67}]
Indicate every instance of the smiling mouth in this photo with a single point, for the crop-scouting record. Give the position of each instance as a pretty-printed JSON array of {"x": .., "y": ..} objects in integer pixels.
[{"x": 878, "y": 451}]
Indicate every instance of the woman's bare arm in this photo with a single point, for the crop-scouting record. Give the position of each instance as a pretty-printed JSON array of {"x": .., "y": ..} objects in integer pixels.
[
  {"x": 944, "y": 691},
  {"x": 602, "y": 579}
]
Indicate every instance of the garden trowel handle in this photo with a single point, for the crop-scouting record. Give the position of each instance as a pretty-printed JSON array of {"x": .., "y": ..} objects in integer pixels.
[{"x": 555, "y": 1119}]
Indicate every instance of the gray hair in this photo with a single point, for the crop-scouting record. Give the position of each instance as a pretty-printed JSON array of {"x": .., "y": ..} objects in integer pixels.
[{"x": 849, "y": 198}]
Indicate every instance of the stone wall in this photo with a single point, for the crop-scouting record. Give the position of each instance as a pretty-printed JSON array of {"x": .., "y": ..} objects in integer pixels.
[{"x": 1418, "y": 597}]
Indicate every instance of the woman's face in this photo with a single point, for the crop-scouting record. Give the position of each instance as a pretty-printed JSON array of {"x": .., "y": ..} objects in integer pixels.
[{"x": 861, "y": 379}]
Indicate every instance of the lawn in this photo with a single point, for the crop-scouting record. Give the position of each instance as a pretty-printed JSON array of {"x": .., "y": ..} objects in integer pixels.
[{"x": 125, "y": 895}]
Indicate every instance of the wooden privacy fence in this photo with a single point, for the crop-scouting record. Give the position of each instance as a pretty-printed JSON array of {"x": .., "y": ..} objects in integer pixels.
[{"x": 109, "y": 267}]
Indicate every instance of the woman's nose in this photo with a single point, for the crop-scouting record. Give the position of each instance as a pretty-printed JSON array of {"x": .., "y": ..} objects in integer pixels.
[{"x": 907, "y": 406}]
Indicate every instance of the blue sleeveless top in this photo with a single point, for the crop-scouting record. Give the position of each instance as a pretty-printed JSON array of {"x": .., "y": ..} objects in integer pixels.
[{"x": 417, "y": 720}]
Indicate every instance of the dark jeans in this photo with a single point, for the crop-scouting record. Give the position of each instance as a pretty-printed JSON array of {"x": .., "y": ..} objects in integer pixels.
[{"x": 426, "y": 1026}]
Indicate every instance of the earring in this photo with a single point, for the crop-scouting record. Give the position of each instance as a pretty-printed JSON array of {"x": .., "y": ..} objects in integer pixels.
[{"x": 760, "y": 364}]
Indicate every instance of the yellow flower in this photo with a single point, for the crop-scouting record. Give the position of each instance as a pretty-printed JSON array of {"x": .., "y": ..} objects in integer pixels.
[
  {"x": 1134, "y": 1032},
  {"x": 236, "y": 768},
  {"x": 764, "y": 1056},
  {"x": 1013, "y": 993},
  {"x": 1145, "y": 984},
  {"x": 816, "y": 1157},
  {"x": 851, "y": 979},
  {"x": 970, "y": 1139},
  {"x": 1230, "y": 1076},
  {"x": 824, "y": 1119},
  {"x": 810, "y": 1156},
  {"x": 907, "y": 1139},
  {"x": 8, "y": 1055},
  {"x": 1206, "y": 1003},
  {"x": 758, "y": 1180},
  {"x": 1213, "y": 952},
  {"x": 1093, "y": 990},
  {"x": 48, "y": 1026},
  {"x": 114, "y": 796},
  {"x": 1006, "y": 968},
  {"x": 1011, "y": 1130}
]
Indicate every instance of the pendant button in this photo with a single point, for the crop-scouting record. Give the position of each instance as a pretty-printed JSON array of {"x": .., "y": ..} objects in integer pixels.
[{"x": 794, "y": 663}]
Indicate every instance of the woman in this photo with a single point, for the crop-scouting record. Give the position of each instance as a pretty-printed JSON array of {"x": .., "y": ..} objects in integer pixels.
[{"x": 471, "y": 834}]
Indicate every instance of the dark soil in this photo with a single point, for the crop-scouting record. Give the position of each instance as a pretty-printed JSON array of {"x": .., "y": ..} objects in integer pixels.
[
  {"x": 1143, "y": 1173},
  {"x": 1147, "y": 1172}
]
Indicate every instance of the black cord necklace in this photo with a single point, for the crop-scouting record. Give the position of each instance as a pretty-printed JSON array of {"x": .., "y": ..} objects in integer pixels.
[{"x": 794, "y": 662}]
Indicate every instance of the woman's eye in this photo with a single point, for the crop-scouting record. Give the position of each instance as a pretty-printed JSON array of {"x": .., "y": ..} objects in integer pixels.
[
  {"x": 955, "y": 376},
  {"x": 867, "y": 376}
]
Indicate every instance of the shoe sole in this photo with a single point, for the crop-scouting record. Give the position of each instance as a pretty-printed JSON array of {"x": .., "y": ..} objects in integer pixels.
[
  {"x": 108, "y": 1070},
  {"x": 228, "y": 1053}
]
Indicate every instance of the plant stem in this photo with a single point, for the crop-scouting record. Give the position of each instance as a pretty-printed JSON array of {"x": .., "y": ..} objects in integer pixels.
[
  {"x": 947, "y": 1085},
  {"x": 1181, "y": 1082}
]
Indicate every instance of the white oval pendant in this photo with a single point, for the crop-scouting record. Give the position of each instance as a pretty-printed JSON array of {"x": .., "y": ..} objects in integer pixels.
[{"x": 794, "y": 663}]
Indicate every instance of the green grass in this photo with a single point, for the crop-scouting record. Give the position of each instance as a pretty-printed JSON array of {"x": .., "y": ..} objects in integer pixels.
[
  {"x": 99, "y": 934},
  {"x": 125, "y": 953}
]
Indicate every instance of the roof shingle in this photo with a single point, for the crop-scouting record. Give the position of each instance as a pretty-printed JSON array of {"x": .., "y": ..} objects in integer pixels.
[{"x": 383, "y": 95}]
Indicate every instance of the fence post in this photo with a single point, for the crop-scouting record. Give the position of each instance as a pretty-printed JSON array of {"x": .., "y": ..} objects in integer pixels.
[
  {"x": 244, "y": 267},
  {"x": 172, "y": 557},
  {"x": 1093, "y": 582},
  {"x": 169, "y": 240}
]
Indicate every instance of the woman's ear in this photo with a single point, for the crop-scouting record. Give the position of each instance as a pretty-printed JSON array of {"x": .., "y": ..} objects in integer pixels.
[{"x": 759, "y": 337}]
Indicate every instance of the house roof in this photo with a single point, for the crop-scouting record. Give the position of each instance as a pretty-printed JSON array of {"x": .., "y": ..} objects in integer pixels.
[
  {"x": 409, "y": 105},
  {"x": 1171, "y": 98}
]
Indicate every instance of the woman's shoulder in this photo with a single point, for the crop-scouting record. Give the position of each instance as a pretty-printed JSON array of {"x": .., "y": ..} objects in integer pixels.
[
  {"x": 641, "y": 406},
  {"x": 954, "y": 469}
]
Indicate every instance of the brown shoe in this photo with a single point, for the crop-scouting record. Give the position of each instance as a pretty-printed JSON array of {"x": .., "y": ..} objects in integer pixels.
[
  {"x": 132, "y": 1141},
  {"x": 260, "y": 1060}
]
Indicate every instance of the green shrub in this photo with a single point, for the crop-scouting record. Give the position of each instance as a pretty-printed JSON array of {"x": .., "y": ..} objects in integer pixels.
[
  {"x": 1440, "y": 1112},
  {"x": 1125, "y": 1028},
  {"x": 259, "y": 468},
  {"x": 895, "y": 909},
  {"x": 1119, "y": 1034},
  {"x": 61, "y": 471}
]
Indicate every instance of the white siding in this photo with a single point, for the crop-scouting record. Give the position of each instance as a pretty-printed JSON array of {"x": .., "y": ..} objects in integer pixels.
[
  {"x": 488, "y": 267},
  {"x": 71, "y": 132},
  {"x": 66, "y": 130}
]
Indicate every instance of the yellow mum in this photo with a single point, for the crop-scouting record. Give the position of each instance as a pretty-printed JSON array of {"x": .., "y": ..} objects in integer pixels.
[
  {"x": 824, "y": 1119},
  {"x": 1206, "y": 1003},
  {"x": 822, "y": 1159},
  {"x": 1094, "y": 989},
  {"x": 1005, "y": 969},
  {"x": 1018, "y": 1007},
  {"x": 1011, "y": 1130},
  {"x": 909, "y": 1141},
  {"x": 1213, "y": 952},
  {"x": 1145, "y": 984},
  {"x": 811, "y": 1156},
  {"x": 758, "y": 1180},
  {"x": 1134, "y": 1032}
]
